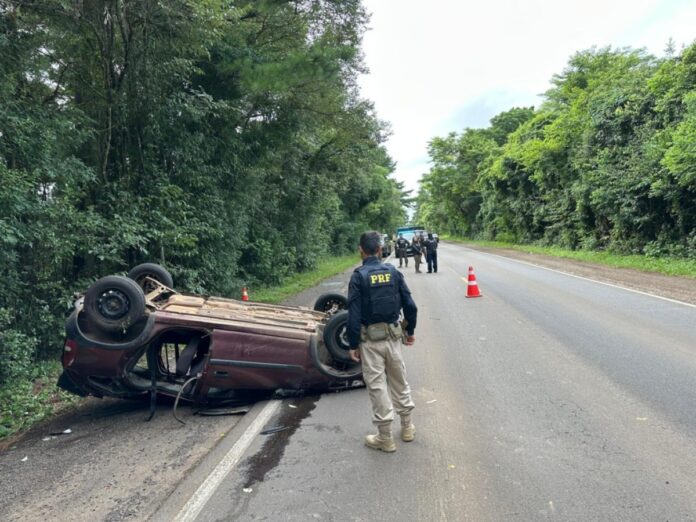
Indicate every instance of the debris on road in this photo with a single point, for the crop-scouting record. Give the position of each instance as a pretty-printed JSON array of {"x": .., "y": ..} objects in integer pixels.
[
  {"x": 216, "y": 412},
  {"x": 284, "y": 393},
  {"x": 247, "y": 490},
  {"x": 431, "y": 401},
  {"x": 58, "y": 433},
  {"x": 25, "y": 459},
  {"x": 274, "y": 429}
]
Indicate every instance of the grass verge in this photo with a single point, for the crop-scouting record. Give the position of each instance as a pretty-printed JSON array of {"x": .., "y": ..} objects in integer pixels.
[
  {"x": 26, "y": 402},
  {"x": 298, "y": 282},
  {"x": 673, "y": 266}
]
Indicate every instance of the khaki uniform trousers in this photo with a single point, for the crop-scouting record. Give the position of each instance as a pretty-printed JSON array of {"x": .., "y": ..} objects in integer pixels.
[
  {"x": 418, "y": 260},
  {"x": 384, "y": 373}
]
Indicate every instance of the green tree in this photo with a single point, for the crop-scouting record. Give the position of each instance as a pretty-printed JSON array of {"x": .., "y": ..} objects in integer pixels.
[{"x": 607, "y": 161}]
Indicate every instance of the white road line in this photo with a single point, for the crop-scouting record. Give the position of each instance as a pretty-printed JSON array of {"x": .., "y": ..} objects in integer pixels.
[
  {"x": 583, "y": 278},
  {"x": 198, "y": 500}
]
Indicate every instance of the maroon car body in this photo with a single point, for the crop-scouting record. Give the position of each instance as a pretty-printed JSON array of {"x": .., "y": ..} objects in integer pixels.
[{"x": 205, "y": 349}]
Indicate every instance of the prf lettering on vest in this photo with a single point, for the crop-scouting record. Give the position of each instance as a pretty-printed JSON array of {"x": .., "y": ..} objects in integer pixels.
[{"x": 380, "y": 279}]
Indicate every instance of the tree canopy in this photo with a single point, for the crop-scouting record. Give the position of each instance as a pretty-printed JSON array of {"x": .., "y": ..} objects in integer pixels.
[{"x": 608, "y": 161}]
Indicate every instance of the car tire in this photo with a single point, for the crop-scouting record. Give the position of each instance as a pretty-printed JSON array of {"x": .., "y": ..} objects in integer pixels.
[
  {"x": 331, "y": 303},
  {"x": 336, "y": 337},
  {"x": 114, "y": 303},
  {"x": 152, "y": 270}
]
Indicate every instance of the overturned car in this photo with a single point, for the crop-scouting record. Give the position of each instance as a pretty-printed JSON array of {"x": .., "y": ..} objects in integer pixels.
[{"x": 133, "y": 336}]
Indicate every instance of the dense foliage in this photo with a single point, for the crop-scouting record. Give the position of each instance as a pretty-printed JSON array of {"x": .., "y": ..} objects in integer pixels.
[
  {"x": 226, "y": 140},
  {"x": 607, "y": 162}
]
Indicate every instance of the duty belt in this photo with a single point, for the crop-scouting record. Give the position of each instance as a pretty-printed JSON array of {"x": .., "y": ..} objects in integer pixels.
[{"x": 380, "y": 331}]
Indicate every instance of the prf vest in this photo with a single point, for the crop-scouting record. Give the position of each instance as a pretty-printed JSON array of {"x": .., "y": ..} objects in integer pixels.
[{"x": 379, "y": 294}]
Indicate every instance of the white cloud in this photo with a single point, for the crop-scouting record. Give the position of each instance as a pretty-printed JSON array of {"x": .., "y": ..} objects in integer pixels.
[{"x": 443, "y": 65}]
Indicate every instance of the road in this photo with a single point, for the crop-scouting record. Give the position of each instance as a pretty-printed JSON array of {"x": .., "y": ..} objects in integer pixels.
[{"x": 549, "y": 398}]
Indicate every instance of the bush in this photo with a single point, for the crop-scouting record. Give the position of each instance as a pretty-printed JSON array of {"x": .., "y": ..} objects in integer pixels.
[
  {"x": 17, "y": 351},
  {"x": 26, "y": 401},
  {"x": 506, "y": 237}
]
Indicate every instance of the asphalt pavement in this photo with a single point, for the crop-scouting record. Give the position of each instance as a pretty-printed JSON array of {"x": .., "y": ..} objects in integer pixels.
[{"x": 549, "y": 398}]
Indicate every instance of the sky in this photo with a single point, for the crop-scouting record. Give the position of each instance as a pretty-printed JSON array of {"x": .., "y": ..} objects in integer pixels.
[{"x": 440, "y": 66}]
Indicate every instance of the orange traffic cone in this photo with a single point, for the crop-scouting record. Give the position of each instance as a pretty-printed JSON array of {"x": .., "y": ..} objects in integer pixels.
[
  {"x": 472, "y": 290},
  {"x": 245, "y": 294}
]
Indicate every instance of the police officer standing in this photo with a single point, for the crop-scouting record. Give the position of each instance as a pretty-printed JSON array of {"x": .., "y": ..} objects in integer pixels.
[
  {"x": 376, "y": 294},
  {"x": 417, "y": 246},
  {"x": 401, "y": 249},
  {"x": 430, "y": 245}
]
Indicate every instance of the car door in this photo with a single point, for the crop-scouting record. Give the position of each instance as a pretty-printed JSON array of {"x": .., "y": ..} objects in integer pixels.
[{"x": 258, "y": 358}]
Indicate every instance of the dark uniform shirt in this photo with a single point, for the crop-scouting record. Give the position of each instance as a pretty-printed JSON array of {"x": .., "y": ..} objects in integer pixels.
[
  {"x": 376, "y": 294},
  {"x": 430, "y": 245}
]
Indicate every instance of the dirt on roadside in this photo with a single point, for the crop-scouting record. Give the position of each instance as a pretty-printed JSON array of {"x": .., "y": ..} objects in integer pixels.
[{"x": 672, "y": 287}]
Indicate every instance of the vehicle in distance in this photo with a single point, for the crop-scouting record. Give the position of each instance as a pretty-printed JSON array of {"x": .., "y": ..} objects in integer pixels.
[
  {"x": 136, "y": 336},
  {"x": 409, "y": 232}
]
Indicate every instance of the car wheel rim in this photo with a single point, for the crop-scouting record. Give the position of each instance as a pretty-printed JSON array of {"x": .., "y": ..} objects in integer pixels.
[
  {"x": 342, "y": 337},
  {"x": 331, "y": 307},
  {"x": 113, "y": 304}
]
